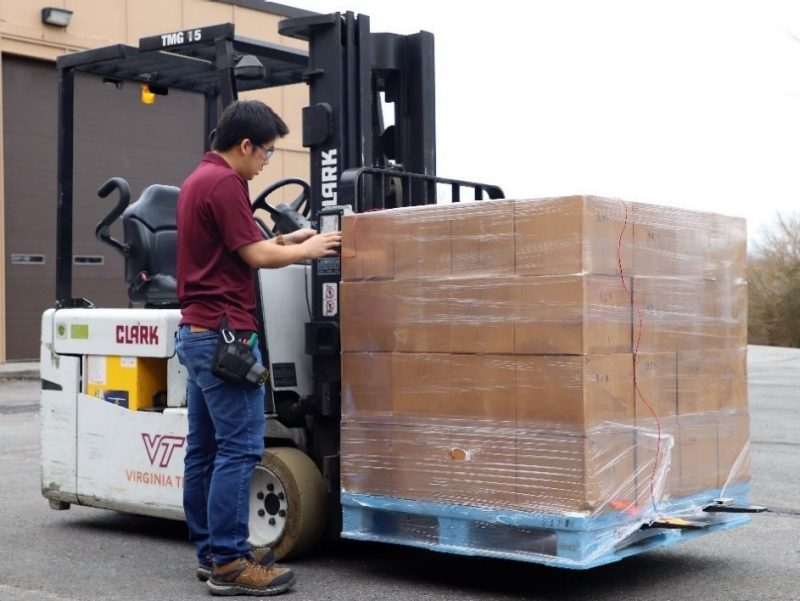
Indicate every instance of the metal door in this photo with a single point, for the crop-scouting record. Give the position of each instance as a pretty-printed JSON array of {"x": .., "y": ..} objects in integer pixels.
[{"x": 115, "y": 135}]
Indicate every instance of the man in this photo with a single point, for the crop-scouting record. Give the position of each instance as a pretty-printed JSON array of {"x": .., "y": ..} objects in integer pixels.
[{"x": 219, "y": 247}]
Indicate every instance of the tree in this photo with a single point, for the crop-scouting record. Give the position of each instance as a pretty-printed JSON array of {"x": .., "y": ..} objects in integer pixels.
[{"x": 774, "y": 285}]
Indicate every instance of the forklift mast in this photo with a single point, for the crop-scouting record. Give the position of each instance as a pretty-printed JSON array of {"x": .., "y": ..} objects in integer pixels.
[
  {"x": 349, "y": 70},
  {"x": 352, "y": 72}
]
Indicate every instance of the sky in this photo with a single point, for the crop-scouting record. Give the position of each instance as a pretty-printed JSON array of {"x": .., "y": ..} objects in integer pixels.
[{"x": 691, "y": 104}]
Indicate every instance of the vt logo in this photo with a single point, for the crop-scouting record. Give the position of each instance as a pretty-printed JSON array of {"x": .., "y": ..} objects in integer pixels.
[{"x": 160, "y": 447}]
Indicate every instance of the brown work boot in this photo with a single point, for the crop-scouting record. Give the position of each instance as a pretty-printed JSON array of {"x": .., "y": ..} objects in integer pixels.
[
  {"x": 243, "y": 576},
  {"x": 204, "y": 569},
  {"x": 262, "y": 555}
]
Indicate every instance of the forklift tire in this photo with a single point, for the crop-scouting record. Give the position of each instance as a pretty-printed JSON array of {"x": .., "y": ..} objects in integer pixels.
[{"x": 287, "y": 503}]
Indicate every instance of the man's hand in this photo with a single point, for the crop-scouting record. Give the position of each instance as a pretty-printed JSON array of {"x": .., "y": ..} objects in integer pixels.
[
  {"x": 321, "y": 245},
  {"x": 265, "y": 253},
  {"x": 299, "y": 236}
]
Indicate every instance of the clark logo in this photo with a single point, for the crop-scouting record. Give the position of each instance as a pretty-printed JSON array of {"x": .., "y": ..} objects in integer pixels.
[
  {"x": 137, "y": 334},
  {"x": 160, "y": 447}
]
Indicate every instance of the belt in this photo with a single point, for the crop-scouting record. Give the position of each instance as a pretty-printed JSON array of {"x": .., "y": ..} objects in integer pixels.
[{"x": 238, "y": 333}]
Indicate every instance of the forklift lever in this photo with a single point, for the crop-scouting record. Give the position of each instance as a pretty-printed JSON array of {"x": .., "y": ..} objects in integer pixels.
[{"x": 101, "y": 231}]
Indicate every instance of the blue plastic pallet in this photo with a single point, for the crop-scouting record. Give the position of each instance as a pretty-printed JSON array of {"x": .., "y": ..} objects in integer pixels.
[{"x": 567, "y": 540}]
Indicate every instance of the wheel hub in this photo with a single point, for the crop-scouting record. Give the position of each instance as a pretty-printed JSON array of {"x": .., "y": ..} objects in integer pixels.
[{"x": 268, "y": 508}]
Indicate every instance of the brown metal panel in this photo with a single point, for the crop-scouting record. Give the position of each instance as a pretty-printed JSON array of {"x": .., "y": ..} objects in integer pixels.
[
  {"x": 29, "y": 145},
  {"x": 115, "y": 135}
]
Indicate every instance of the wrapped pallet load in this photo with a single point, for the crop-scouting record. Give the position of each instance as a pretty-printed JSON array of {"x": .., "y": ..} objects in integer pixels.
[{"x": 538, "y": 379}]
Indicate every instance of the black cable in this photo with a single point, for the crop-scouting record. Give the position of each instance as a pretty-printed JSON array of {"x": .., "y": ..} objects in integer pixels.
[{"x": 306, "y": 285}]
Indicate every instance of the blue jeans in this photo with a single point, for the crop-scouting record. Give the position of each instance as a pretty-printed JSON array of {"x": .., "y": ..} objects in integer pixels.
[{"x": 224, "y": 445}]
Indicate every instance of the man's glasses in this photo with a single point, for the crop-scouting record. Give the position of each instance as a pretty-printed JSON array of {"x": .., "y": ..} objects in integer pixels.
[{"x": 268, "y": 151}]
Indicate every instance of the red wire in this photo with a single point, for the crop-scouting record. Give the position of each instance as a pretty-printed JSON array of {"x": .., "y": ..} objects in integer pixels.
[{"x": 635, "y": 355}]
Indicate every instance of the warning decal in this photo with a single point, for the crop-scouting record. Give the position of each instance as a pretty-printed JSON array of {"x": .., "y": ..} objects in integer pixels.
[{"x": 330, "y": 299}]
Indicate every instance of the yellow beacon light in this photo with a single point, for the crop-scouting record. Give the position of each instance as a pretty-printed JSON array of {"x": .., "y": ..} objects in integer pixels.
[{"x": 148, "y": 97}]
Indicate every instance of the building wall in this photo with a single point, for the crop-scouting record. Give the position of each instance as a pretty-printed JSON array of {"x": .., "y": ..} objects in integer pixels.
[{"x": 96, "y": 23}]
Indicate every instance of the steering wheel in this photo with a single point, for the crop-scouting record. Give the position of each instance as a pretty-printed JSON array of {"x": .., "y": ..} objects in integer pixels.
[
  {"x": 262, "y": 225},
  {"x": 287, "y": 218}
]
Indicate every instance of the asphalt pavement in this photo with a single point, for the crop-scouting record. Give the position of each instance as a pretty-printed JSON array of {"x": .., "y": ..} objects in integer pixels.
[{"x": 89, "y": 554}]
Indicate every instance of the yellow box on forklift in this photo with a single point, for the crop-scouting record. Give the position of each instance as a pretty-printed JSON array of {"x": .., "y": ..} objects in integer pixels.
[{"x": 130, "y": 382}]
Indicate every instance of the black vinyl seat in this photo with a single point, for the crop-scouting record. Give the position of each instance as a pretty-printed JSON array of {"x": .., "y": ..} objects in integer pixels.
[{"x": 150, "y": 228}]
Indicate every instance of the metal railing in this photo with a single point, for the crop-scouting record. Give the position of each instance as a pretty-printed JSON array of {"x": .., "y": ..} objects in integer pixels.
[{"x": 371, "y": 188}]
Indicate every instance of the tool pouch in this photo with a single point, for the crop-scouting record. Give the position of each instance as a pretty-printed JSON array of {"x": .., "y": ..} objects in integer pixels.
[{"x": 234, "y": 361}]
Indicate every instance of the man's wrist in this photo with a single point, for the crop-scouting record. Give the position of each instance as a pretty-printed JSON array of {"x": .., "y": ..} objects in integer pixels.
[{"x": 279, "y": 240}]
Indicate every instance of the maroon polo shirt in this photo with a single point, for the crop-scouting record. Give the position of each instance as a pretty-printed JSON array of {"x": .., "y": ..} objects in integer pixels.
[{"x": 214, "y": 220}]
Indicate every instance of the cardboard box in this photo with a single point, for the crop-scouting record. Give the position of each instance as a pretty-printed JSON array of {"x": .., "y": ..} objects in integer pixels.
[
  {"x": 571, "y": 315},
  {"x": 422, "y": 317},
  {"x": 711, "y": 381},
  {"x": 367, "y": 383},
  {"x": 681, "y": 243},
  {"x": 658, "y": 460},
  {"x": 367, "y": 246},
  {"x": 484, "y": 388},
  {"x": 561, "y": 473},
  {"x": 697, "y": 437},
  {"x": 462, "y": 462},
  {"x": 456, "y": 463},
  {"x": 689, "y": 313},
  {"x": 574, "y": 392},
  {"x": 367, "y": 318},
  {"x": 423, "y": 384},
  {"x": 395, "y": 316},
  {"x": 550, "y": 236},
  {"x": 483, "y": 238},
  {"x": 733, "y": 429},
  {"x": 656, "y": 388},
  {"x": 671, "y": 314},
  {"x": 731, "y": 313},
  {"x": 671, "y": 242},
  {"x": 575, "y": 234},
  {"x": 481, "y": 312},
  {"x": 729, "y": 248},
  {"x": 438, "y": 460},
  {"x": 422, "y": 242},
  {"x": 479, "y": 387},
  {"x": 369, "y": 460}
]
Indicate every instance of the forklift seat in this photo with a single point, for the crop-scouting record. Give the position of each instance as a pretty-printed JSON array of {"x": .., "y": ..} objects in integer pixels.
[{"x": 150, "y": 227}]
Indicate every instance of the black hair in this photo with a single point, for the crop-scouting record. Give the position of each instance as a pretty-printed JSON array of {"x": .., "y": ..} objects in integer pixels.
[{"x": 251, "y": 119}]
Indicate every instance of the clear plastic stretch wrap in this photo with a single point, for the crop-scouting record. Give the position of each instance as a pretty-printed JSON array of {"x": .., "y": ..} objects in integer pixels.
[{"x": 538, "y": 379}]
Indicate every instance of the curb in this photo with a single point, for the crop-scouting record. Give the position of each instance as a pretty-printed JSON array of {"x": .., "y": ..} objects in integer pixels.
[{"x": 20, "y": 375}]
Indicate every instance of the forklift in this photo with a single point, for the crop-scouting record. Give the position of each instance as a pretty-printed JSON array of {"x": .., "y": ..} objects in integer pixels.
[{"x": 113, "y": 401}]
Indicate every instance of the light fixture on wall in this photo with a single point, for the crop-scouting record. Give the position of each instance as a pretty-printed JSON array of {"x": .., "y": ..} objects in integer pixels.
[{"x": 58, "y": 17}]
